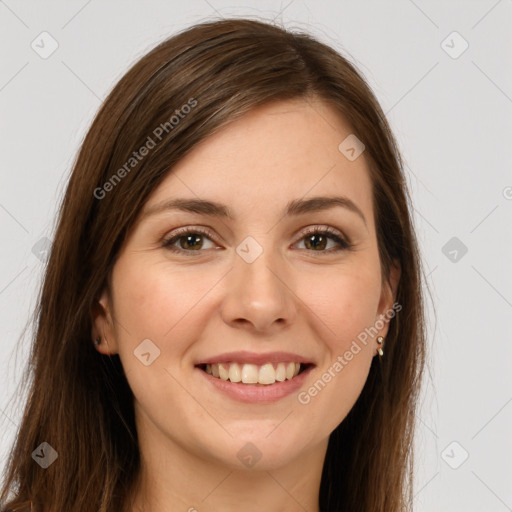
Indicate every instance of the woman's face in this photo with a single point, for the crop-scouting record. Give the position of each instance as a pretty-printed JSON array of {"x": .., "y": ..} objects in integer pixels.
[{"x": 196, "y": 287}]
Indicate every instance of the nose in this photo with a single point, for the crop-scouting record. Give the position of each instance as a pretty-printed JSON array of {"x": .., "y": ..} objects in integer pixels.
[{"x": 259, "y": 296}]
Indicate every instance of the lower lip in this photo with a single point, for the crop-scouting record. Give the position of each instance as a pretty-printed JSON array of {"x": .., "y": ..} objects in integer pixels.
[{"x": 258, "y": 393}]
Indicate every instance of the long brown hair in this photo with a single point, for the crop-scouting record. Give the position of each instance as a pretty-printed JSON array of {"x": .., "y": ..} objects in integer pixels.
[{"x": 79, "y": 401}]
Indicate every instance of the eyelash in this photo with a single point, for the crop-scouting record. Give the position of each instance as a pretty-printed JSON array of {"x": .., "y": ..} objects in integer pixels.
[{"x": 317, "y": 230}]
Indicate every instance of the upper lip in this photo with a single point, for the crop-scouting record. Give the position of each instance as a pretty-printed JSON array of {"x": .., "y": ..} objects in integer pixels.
[{"x": 255, "y": 358}]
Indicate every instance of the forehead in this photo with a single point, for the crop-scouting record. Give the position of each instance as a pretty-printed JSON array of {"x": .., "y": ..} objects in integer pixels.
[{"x": 278, "y": 152}]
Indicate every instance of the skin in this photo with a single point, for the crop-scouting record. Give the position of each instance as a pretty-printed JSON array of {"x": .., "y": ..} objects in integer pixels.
[{"x": 293, "y": 297}]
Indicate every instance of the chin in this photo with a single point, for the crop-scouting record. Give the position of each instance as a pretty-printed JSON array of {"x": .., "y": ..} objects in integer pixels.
[{"x": 261, "y": 451}]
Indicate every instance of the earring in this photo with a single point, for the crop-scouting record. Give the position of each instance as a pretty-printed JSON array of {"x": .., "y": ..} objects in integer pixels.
[
  {"x": 97, "y": 341},
  {"x": 380, "y": 341}
]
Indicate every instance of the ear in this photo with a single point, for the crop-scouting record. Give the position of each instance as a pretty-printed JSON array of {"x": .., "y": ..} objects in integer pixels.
[
  {"x": 388, "y": 294},
  {"x": 103, "y": 326}
]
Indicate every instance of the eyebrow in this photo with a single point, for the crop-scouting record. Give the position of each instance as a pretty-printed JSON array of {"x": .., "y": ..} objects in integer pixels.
[{"x": 294, "y": 207}]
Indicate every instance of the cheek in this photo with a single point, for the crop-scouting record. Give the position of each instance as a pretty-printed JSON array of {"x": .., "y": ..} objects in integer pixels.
[
  {"x": 345, "y": 302},
  {"x": 155, "y": 301}
]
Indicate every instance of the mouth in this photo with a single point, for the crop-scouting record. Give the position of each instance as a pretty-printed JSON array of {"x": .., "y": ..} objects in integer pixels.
[{"x": 260, "y": 375}]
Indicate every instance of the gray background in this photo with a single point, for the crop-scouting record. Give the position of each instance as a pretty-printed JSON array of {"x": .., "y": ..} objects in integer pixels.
[{"x": 451, "y": 113}]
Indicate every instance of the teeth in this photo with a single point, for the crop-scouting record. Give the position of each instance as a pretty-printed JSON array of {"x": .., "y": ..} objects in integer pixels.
[
  {"x": 234, "y": 373},
  {"x": 223, "y": 371},
  {"x": 267, "y": 374},
  {"x": 290, "y": 370},
  {"x": 280, "y": 372},
  {"x": 252, "y": 373},
  {"x": 249, "y": 374}
]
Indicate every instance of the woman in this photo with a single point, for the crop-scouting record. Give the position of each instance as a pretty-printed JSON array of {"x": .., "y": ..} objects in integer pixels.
[{"x": 232, "y": 312}]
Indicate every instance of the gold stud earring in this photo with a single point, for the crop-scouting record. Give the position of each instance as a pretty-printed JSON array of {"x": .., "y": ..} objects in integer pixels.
[{"x": 380, "y": 341}]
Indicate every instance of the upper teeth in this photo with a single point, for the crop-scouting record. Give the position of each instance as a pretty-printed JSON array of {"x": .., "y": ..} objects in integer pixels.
[{"x": 252, "y": 373}]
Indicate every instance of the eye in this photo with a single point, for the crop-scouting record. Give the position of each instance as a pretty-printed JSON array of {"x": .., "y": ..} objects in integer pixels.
[
  {"x": 189, "y": 240},
  {"x": 316, "y": 239}
]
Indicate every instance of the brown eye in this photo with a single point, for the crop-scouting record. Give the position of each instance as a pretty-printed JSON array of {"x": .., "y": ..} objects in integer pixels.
[
  {"x": 188, "y": 241},
  {"x": 191, "y": 241},
  {"x": 317, "y": 239}
]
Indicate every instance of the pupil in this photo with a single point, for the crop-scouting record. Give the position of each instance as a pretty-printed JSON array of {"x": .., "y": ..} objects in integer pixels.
[
  {"x": 196, "y": 239},
  {"x": 320, "y": 244}
]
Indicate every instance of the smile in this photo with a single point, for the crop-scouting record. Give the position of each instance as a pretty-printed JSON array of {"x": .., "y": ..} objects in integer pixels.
[{"x": 247, "y": 373}]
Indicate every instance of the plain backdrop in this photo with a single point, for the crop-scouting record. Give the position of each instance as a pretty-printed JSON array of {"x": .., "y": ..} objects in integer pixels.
[{"x": 442, "y": 72}]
